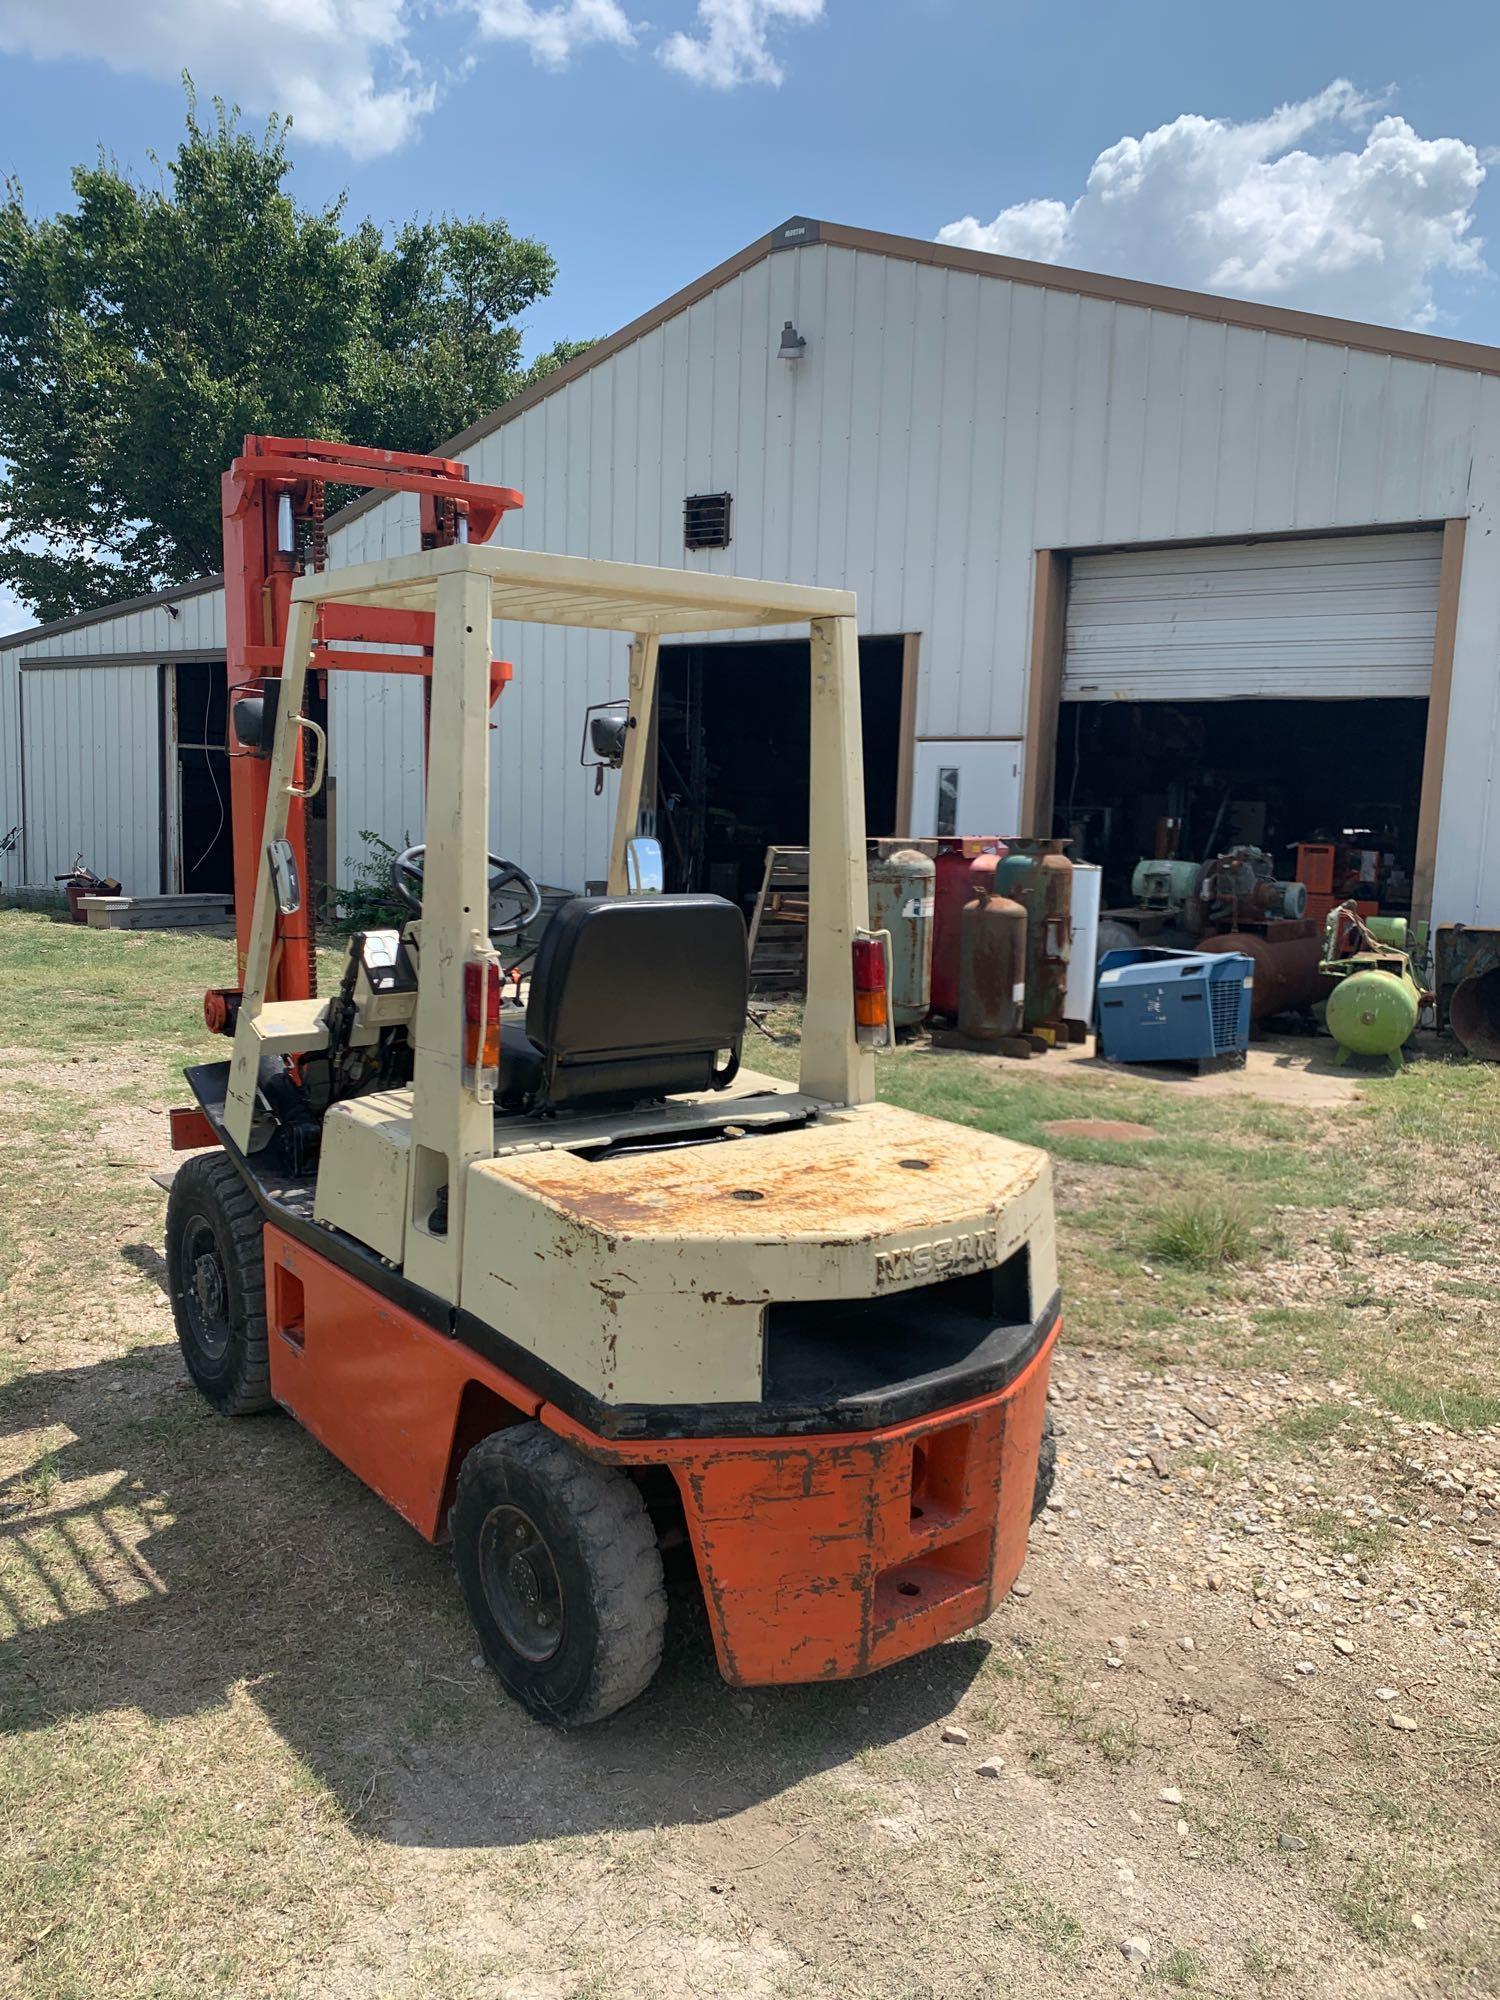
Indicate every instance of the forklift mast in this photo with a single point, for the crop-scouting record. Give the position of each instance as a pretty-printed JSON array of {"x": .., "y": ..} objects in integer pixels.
[{"x": 274, "y": 513}]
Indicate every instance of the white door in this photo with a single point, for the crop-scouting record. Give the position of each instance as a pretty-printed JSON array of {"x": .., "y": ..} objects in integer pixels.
[
  {"x": 1337, "y": 618},
  {"x": 967, "y": 788}
]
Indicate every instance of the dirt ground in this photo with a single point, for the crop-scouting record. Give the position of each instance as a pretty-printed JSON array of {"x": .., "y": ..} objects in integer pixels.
[{"x": 1237, "y": 1730}]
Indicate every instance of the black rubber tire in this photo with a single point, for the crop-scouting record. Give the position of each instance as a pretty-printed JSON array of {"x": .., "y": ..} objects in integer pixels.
[
  {"x": 593, "y": 1525},
  {"x": 212, "y": 1214},
  {"x": 1046, "y": 1468}
]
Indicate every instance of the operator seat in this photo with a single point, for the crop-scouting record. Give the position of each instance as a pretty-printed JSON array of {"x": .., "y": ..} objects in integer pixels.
[{"x": 632, "y": 997}]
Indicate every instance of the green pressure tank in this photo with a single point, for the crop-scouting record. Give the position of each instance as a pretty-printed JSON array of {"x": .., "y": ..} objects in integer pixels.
[{"x": 1373, "y": 1012}]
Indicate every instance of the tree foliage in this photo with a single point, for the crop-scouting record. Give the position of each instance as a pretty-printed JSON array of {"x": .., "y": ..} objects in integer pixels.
[{"x": 143, "y": 333}]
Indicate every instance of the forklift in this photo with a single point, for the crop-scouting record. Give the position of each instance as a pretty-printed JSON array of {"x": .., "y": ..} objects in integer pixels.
[{"x": 564, "y": 1281}]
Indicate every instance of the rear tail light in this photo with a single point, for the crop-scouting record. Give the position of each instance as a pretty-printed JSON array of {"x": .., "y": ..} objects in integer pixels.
[
  {"x": 481, "y": 1023},
  {"x": 872, "y": 989}
]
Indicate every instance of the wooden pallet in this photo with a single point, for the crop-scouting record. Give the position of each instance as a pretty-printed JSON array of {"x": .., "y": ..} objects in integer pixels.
[
  {"x": 778, "y": 927},
  {"x": 157, "y": 913}
]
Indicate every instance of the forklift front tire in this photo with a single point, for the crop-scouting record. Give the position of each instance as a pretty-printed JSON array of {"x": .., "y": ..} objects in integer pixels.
[
  {"x": 561, "y": 1573},
  {"x": 216, "y": 1277}
]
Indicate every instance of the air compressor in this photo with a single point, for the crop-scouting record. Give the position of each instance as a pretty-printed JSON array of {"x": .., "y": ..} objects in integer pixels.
[{"x": 1374, "y": 1007}]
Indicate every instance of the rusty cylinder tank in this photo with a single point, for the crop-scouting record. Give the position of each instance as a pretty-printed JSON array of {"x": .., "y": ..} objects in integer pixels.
[
  {"x": 951, "y": 891},
  {"x": 1039, "y": 876},
  {"x": 991, "y": 959},
  {"x": 901, "y": 902},
  {"x": 1287, "y": 979}
]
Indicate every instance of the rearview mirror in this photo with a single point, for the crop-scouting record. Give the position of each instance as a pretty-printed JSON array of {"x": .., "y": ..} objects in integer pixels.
[
  {"x": 645, "y": 871},
  {"x": 285, "y": 881},
  {"x": 607, "y": 736}
]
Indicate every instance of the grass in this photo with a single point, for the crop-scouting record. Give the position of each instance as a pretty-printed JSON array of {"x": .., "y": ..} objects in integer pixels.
[
  {"x": 1201, "y": 1231},
  {"x": 1371, "y": 1904},
  {"x": 242, "y": 1746},
  {"x": 1182, "y": 1969}
]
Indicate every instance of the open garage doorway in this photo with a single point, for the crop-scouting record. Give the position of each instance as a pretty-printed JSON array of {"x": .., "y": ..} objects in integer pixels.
[
  {"x": 197, "y": 833},
  {"x": 1189, "y": 779},
  {"x": 732, "y": 756},
  {"x": 202, "y": 860}
]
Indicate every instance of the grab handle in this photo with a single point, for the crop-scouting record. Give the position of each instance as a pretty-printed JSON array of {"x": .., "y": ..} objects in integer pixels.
[{"x": 320, "y": 745}]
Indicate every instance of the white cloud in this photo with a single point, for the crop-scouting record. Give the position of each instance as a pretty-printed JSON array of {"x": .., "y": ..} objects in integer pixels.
[
  {"x": 733, "y": 45},
  {"x": 349, "y": 71},
  {"x": 1213, "y": 205},
  {"x": 553, "y": 33},
  {"x": 342, "y": 68}
]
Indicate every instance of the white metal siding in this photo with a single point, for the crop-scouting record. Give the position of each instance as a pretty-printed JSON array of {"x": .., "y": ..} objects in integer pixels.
[
  {"x": 12, "y": 865},
  {"x": 92, "y": 741},
  {"x": 1310, "y": 620},
  {"x": 196, "y": 630},
  {"x": 93, "y": 774}
]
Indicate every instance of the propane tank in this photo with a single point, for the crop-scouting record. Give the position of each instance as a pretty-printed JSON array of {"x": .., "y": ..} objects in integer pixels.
[
  {"x": 901, "y": 902},
  {"x": 1040, "y": 877},
  {"x": 1373, "y": 1010},
  {"x": 951, "y": 891},
  {"x": 1288, "y": 978},
  {"x": 992, "y": 958}
]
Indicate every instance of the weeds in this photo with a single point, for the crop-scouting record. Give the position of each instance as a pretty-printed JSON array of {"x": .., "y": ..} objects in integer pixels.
[{"x": 1201, "y": 1231}]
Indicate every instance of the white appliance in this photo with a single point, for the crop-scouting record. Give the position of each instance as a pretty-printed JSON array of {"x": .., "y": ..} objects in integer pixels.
[
  {"x": 968, "y": 788},
  {"x": 1088, "y": 894}
]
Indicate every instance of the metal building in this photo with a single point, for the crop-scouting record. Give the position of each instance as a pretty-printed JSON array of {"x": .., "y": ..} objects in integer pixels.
[{"x": 1094, "y": 526}]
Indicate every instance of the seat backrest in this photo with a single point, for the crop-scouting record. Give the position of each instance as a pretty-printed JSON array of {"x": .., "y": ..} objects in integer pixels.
[{"x": 638, "y": 996}]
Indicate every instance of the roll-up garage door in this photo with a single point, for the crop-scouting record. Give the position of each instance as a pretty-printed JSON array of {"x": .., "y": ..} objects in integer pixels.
[{"x": 1326, "y": 620}]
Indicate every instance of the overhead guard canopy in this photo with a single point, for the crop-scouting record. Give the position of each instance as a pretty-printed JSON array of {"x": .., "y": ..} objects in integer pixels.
[{"x": 536, "y": 589}]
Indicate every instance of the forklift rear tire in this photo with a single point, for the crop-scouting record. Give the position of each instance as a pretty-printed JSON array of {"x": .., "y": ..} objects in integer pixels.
[
  {"x": 216, "y": 1277},
  {"x": 561, "y": 1573},
  {"x": 1046, "y": 1468}
]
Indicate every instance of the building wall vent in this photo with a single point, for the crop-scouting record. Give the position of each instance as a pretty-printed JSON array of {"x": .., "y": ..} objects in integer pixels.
[{"x": 705, "y": 520}]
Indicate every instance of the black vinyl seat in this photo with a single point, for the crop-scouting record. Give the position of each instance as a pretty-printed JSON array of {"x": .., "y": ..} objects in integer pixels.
[{"x": 631, "y": 997}]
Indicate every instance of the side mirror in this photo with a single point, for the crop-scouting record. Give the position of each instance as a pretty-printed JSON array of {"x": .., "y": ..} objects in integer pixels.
[
  {"x": 255, "y": 718},
  {"x": 605, "y": 727},
  {"x": 285, "y": 881},
  {"x": 645, "y": 872}
]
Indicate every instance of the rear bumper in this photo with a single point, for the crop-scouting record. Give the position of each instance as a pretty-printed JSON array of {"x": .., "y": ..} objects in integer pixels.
[{"x": 827, "y": 1557}]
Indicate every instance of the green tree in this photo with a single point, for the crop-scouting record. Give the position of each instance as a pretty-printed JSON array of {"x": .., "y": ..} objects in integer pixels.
[{"x": 143, "y": 333}]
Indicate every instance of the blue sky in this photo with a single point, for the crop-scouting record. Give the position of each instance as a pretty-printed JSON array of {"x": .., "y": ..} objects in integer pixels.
[
  {"x": 906, "y": 115},
  {"x": 644, "y": 143}
]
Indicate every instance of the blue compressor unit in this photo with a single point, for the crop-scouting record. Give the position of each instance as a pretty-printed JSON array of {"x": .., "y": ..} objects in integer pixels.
[{"x": 1156, "y": 1005}]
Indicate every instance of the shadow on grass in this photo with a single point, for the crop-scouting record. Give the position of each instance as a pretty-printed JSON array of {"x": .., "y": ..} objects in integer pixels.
[{"x": 156, "y": 1557}]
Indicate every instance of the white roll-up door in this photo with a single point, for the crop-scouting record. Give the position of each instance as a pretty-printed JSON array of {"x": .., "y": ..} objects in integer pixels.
[{"x": 1326, "y": 620}]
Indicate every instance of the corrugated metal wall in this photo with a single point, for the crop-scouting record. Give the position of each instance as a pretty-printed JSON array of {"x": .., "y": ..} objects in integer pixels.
[
  {"x": 92, "y": 759},
  {"x": 81, "y": 746},
  {"x": 12, "y": 863},
  {"x": 1348, "y": 617},
  {"x": 941, "y": 427},
  {"x": 193, "y": 626}
]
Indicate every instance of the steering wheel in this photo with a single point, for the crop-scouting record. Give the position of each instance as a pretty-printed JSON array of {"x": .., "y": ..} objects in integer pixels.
[{"x": 509, "y": 886}]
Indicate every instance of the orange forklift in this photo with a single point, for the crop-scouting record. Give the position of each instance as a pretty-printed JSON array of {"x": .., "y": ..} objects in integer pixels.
[{"x": 560, "y": 1279}]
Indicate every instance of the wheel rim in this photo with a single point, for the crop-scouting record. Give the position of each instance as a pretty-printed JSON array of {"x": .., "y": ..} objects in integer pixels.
[
  {"x": 205, "y": 1291},
  {"x": 521, "y": 1584}
]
